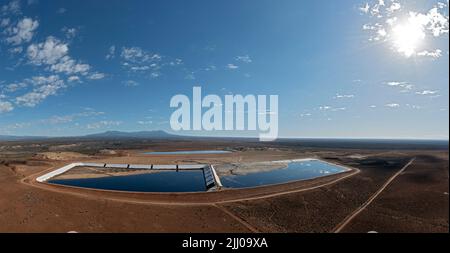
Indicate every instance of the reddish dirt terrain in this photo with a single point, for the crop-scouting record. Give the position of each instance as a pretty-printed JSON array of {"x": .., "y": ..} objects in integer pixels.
[{"x": 415, "y": 201}]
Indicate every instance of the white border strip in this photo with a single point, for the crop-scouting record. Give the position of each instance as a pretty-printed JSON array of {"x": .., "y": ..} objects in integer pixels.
[
  {"x": 64, "y": 169},
  {"x": 57, "y": 172},
  {"x": 216, "y": 177}
]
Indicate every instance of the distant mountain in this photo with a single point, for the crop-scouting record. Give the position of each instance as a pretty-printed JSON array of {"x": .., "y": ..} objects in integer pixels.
[
  {"x": 104, "y": 135},
  {"x": 20, "y": 138},
  {"x": 142, "y": 135}
]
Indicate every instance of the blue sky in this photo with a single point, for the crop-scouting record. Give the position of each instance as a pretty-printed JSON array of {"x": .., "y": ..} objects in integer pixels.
[{"x": 359, "y": 69}]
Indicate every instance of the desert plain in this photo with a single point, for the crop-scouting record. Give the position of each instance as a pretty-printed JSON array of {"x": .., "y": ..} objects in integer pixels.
[{"x": 391, "y": 187}]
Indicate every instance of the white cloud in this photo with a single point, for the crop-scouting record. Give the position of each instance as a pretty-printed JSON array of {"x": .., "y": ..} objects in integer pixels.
[
  {"x": 190, "y": 76},
  {"x": 131, "y": 83},
  {"x": 331, "y": 108},
  {"x": 427, "y": 92},
  {"x": 103, "y": 124},
  {"x": 433, "y": 54},
  {"x": 16, "y": 50},
  {"x": 54, "y": 53},
  {"x": 72, "y": 117},
  {"x": 96, "y": 76},
  {"x": 211, "y": 68},
  {"x": 232, "y": 66},
  {"x": 44, "y": 87},
  {"x": 48, "y": 52},
  {"x": 136, "y": 59},
  {"x": 23, "y": 31},
  {"x": 140, "y": 68},
  {"x": 344, "y": 96},
  {"x": 141, "y": 122},
  {"x": 74, "y": 79},
  {"x": 12, "y": 87},
  {"x": 244, "y": 58},
  {"x": 61, "y": 10},
  {"x": 325, "y": 107},
  {"x": 395, "y": 6},
  {"x": 176, "y": 62},
  {"x": 4, "y": 22},
  {"x": 405, "y": 86},
  {"x": 393, "y": 105},
  {"x": 416, "y": 107},
  {"x": 365, "y": 8},
  {"x": 111, "y": 53},
  {"x": 31, "y": 2},
  {"x": 138, "y": 55},
  {"x": 395, "y": 83},
  {"x": 5, "y": 106},
  {"x": 305, "y": 115},
  {"x": 12, "y": 7},
  {"x": 69, "y": 66},
  {"x": 437, "y": 22},
  {"x": 338, "y": 109},
  {"x": 69, "y": 32}
]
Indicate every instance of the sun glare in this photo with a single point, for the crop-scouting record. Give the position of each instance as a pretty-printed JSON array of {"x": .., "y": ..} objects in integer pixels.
[{"x": 408, "y": 37}]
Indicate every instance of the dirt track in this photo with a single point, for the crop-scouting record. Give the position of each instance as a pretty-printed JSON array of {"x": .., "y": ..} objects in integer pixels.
[{"x": 349, "y": 218}]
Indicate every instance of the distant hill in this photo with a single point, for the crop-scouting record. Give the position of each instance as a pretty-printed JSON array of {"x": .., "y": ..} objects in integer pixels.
[
  {"x": 105, "y": 135},
  {"x": 141, "y": 135},
  {"x": 20, "y": 138}
]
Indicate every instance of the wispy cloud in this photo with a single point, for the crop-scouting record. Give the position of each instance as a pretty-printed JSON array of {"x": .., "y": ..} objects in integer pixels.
[
  {"x": 416, "y": 107},
  {"x": 303, "y": 115},
  {"x": 137, "y": 60},
  {"x": 147, "y": 122},
  {"x": 74, "y": 79},
  {"x": 244, "y": 59},
  {"x": 427, "y": 92},
  {"x": 433, "y": 54},
  {"x": 12, "y": 7},
  {"x": 232, "y": 66},
  {"x": 331, "y": 108},
  {"x": 13, "y": 87},
  {"x": 22, "y": 32},
  {"x": 87, "y": 112},
  {"x": 49, "y": 57},
  {"x": 61, "y": 10},
  {"x": 5, "y": 106},
  {"x": 103, "y": 124},
  {"x": 70, "y": 33},
  {"x": 393, "y": 105},
  {"x": 44, "y": 87},
  {"x": 338, "y": 96},
  {"x": 405, "y": 86},
  {"x": 111, "y": 53},
  {"x": 96, "y": 76},
  {"x": 53, "y": 53},
  {"x": 131, "y": 83}
]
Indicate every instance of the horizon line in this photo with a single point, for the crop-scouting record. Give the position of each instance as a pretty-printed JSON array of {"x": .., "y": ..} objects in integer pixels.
[{"x": 228, "y": 137}]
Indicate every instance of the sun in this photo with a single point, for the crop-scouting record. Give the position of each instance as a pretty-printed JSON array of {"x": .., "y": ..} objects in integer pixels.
[{"x": 408, "y": 37}]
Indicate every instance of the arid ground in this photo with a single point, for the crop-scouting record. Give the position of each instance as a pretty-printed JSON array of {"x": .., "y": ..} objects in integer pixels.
[{"x": 391, "y": 188}]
